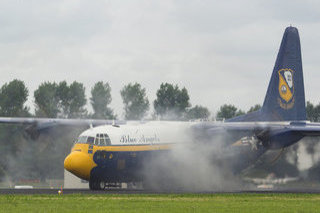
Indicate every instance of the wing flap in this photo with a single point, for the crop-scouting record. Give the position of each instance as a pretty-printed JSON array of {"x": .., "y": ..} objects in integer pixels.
[{"x": 307, "y": 130}]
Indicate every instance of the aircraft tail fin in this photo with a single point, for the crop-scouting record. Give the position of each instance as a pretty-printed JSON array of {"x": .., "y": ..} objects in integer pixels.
[
  {"x": 285, "y": 100},
  {"x": 285, "y": 95}
]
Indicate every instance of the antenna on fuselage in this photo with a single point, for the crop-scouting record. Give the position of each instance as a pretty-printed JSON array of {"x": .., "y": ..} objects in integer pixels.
[{"x": 114, "y": 124}]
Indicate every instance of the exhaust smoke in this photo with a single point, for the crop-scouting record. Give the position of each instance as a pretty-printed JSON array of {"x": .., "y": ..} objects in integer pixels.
[{"x": 200, "y": 165}]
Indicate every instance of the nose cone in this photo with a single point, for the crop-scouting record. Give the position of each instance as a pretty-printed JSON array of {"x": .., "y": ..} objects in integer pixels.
[{"x": 79, "y": 164}]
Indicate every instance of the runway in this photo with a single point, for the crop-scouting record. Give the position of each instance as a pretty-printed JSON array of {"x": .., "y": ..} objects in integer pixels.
[
  {"x": 71, "y": 191},
  {"x": 133, "y": 191}
]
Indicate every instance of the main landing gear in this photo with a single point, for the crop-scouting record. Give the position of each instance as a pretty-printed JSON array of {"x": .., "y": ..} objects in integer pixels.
[
  {"x": 99, "y": 184},
  {"x": 96, "y": 184}
]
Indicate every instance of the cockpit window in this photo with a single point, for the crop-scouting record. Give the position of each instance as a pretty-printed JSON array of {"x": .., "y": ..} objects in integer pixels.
[
  {"x": 102, "y": 140},
  {"x": 107, "y": 139},
  {"x": 99, "y": 140},
  {"x": 82, "y": 139},
  {"x": 90, "y": 140},
  {"x": 96, "y": 141}
]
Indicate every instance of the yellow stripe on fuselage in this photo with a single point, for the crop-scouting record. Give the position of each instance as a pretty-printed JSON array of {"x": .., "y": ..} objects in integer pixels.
[{"x": 123, "y": 148}]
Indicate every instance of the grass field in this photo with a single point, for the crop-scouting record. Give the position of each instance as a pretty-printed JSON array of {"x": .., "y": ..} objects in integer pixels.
[{"x": 162, "y": 203}]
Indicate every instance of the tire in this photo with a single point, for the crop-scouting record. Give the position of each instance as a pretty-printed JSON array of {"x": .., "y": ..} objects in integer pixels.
[
  {"x": 92, "y": 184},
  {"x": 101, "y": 185},
  {"x": 96, "y": 184}
]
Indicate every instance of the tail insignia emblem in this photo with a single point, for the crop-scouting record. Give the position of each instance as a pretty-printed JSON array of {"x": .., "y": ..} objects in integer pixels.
[{"x": 286, "y": 88}]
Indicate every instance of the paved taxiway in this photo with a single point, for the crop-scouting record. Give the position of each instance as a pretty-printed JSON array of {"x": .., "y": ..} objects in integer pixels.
[{"x": 126, "y": 191}]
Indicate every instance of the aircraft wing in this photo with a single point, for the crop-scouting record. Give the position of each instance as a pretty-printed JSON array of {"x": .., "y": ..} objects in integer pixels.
[
  {"x": 301, "y": 127},
  {"x": 311, "y": 129},
  {"x": 274, "y": 133},
  {"x": 35, "y": 125},
  {"x": 58, "y": 121}
]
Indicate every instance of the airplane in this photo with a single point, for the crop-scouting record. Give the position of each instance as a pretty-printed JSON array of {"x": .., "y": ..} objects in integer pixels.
[{"x": 118, "y": 153}]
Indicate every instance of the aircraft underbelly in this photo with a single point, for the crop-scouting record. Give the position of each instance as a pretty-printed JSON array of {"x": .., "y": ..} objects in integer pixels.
[
  {"x": 133, "y": 166},
  {"x": 284, "y": 139},
  {"x": 119, "y": 166}
]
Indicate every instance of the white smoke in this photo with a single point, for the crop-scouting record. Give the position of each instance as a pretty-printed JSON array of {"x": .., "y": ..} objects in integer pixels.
[{"x": 196, "y": 166}]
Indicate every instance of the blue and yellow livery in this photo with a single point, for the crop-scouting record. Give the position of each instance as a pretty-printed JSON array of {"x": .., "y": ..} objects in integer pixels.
[{"x": 110, "y": 154}]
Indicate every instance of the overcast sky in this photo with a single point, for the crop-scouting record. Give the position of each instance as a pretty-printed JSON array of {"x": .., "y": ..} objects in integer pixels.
[{"x": 221, "y": 51}]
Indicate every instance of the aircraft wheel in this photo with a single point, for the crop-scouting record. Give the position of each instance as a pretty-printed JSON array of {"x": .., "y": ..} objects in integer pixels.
[
  {"x": 102, "y": 185},
  {"x": 92, "y": 184},
  {"x": 95, "y": 184}
]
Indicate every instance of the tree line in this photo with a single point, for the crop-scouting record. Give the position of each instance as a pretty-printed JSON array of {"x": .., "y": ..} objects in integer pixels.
[
  {"x": 60, "y": 100},
  {"x": 63, "y": 100}
]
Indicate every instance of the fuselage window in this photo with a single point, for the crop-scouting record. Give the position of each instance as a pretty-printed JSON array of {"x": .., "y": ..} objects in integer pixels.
[{"x": 90, "y": 140}]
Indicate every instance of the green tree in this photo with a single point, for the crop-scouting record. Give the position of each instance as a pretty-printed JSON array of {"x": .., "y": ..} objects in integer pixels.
[
  {"x": 310, "y": 111},
  {"x": 254, "y": 108},
  {"x": 100, "y": 99},
  {"x": 136, "y": 104},
  {"x": 46, "y": 100},
  {"x": 63, "y": 96},
  {"x": 313, "y": 115},
  {"x": 12, "y": 99},
  {"x": 171, "y": 102},
  {"x": 197, "y": 112},
  {"x": 228, "y": 111},
  {"x": 13, "y": 96},
  {"x": 77, "y": 100},
  {"x": 72, "y": 100},
  {"x": 313, "y": 112},
  {"x": 22, "y": 158}
]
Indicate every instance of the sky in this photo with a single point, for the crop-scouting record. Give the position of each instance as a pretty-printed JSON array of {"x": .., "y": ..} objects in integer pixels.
[{"x": 221, "y": 51}]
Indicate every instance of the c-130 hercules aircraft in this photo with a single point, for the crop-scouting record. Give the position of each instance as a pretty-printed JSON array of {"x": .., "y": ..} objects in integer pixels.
[{"x": 118, "y": 153}]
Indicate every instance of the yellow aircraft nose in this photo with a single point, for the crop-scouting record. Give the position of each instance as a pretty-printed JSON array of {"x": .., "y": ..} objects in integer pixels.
[{"x": 79, "y": 164}]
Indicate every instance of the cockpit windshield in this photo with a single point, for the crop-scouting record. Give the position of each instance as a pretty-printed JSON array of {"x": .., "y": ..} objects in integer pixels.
[
  {"x": 102, "y": 140},
  {"x": 99, "y": 140},
  {"x": 90, "y": 140},
  {"x": 82, "y": 139}
]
